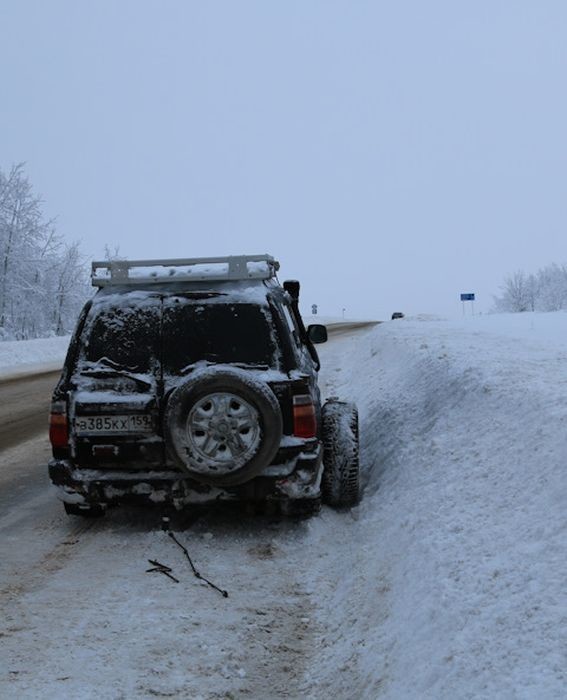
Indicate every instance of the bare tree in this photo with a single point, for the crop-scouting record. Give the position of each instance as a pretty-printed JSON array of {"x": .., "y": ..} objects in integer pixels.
[
  {"x": 71, "y": 288},
  {"x": 532, "y": 292},
  {"x": 516, "y": 293},
  {"x": 21, "y": 230},
  {"x": 552, "y": 281},
  {"x": 42, "y": 282},
  {"x": 112, "y": 253},
  {"x": 544, "y": 291}
]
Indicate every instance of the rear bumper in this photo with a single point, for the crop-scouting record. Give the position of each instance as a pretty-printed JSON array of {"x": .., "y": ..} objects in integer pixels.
[{"x": 296, "y": 480}]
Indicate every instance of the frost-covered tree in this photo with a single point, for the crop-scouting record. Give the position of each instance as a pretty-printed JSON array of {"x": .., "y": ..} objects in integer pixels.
[
  {"x": 552, "y": 285},
  {"x": 516, "y": 293},
  {"x": 42, "y": 279},
  {"x": 24, "y": 238},
  {"x": 112, "y": 253},
  {"x": 544, "y": 291},
  {"x": 532, "y": 291},
  {"x": 70, "y": 287}
]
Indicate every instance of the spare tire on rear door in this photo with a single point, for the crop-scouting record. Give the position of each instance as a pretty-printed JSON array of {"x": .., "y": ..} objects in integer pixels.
[{"x": 223, "y": 425}]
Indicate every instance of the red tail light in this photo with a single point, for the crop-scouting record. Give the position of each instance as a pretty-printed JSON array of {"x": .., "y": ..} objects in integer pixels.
[
  {"x": 58, "y": 426},
  {"x": 304, "y": 419}
]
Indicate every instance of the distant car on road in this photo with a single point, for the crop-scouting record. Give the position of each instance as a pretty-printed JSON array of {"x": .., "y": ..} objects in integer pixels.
[{"x": 397, "y": 314}]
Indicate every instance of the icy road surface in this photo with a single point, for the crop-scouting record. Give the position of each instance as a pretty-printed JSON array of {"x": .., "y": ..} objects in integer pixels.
[
  {"x": 24, "y": 406},
  {"x": 448, "y": 581}
]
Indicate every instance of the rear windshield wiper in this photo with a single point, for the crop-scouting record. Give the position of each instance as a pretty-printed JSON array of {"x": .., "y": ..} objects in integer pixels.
[
  {"x": 205, "y": 363},
  {"x": 106, "y": 368},
  {"x": 250, "y": 365}
]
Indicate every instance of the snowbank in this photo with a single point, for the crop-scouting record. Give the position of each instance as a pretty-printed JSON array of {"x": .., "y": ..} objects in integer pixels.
[
  {"x": 31, "y": 356},
  {"x": 456, "y": 588},
  {"x": 334, "y": 320}
]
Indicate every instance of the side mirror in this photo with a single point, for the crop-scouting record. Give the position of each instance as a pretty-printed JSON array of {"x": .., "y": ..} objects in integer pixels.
[{"x": 317, "y": 333}]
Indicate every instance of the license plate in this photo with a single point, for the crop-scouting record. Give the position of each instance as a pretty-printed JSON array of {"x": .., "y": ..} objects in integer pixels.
[{"x": 89, "y": 425}]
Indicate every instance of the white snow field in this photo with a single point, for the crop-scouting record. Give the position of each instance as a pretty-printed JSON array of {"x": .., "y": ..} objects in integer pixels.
[
  {"x": 30, "y": 356},
  {"x": 448, "y": 581}
]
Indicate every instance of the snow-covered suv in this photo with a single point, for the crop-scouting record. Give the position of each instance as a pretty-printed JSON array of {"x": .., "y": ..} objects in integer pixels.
[{"x": 195, "y": 380}]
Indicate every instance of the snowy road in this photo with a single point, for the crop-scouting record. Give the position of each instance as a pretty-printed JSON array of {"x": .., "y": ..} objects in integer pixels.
[
  {"x": 66, "y": 585},
  {"x": 24, "y": 407},
  {"x": 448, "y": 581}
]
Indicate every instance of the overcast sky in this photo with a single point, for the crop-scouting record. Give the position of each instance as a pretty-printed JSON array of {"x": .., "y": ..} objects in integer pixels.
[{"x": 390, "y": 154}]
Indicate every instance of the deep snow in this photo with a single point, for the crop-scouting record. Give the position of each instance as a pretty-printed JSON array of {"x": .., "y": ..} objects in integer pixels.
[
  {"x": 462, "y": 532},
  {"x": 448, "y": 581},
  {"x": 30, "y": 356}
]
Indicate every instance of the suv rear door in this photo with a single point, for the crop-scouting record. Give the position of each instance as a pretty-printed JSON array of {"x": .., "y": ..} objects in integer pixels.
[{"x": 115, "y": 384}]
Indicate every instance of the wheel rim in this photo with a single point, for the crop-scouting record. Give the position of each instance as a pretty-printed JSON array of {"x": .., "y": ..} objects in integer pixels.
[{"x": 223, "y": 432}]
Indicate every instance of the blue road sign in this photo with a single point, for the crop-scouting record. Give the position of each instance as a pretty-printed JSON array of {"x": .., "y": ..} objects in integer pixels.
[{"x": 467, "y": 297}]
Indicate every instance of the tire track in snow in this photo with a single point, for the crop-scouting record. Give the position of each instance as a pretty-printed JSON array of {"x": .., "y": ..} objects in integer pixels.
[
  {"x": 32, "y": 575},
  {"x": 281, "y": 633}
]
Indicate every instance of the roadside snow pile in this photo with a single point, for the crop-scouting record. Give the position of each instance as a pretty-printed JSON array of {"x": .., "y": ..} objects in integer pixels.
[
  {"x": 334, "y": 320},
  {"x": 29, "y": 355},
  {"x": 456, "y": 588}
]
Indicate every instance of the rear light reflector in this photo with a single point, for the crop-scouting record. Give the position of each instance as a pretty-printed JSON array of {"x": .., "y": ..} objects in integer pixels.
[
  {"x": 58, "y": 426},
  {"x": 304, "y": 419}
]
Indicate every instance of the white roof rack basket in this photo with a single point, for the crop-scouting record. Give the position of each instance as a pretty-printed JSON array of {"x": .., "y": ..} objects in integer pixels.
[{"x": 135, "y": 272}]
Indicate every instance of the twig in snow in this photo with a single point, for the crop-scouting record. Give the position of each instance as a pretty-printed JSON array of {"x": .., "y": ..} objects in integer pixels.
[
  {"x": 195, "y": 572},
  {"x": 161, "y": 569}
]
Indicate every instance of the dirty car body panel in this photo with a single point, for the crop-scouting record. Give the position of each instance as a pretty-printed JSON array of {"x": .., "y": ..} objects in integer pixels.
[{"x": 170, "y": 391}]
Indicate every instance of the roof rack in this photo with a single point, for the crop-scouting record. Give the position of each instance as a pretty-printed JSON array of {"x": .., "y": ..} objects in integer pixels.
[{"x": 135, "y": 272}]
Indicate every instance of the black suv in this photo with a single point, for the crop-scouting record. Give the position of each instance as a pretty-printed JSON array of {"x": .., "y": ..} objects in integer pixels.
[{"x": 195, "y": 380}]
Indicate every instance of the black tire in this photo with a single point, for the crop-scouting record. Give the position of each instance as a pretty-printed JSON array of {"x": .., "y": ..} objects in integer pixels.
[
  {"x": 91, "y": 511},
  {"x": 267, "y": 422},
  {"x": 340, "y": 484}
]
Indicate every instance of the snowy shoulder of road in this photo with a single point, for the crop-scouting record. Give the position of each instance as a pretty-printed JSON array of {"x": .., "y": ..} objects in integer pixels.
[
  {"x": 456, "y": 588},
  {"x": 447, "y": 581},
  {"x": 336, "y": 320},
  {"x": 31, "y": 356}
]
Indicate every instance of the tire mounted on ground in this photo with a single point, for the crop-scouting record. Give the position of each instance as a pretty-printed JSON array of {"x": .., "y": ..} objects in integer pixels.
[{"x": 340, "y": 485}]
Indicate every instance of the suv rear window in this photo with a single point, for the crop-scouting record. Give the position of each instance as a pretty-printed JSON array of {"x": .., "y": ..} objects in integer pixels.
[
  {"x": 216, "y": 332},
  {"x": 126, "y": 336}
]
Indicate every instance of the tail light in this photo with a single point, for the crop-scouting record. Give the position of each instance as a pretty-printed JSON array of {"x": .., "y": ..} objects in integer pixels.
[
  {"x": 58, "y": 426},
  {"x": 304, "y": 419}
]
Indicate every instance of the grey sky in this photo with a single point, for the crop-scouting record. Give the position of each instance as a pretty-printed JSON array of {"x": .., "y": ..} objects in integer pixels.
[{"x": 390, "y": 154}]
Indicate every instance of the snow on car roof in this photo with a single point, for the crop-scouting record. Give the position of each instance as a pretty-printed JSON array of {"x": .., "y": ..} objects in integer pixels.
[
  {"x": 246, "y": 291},
  {"x": 232, "y": 267}
]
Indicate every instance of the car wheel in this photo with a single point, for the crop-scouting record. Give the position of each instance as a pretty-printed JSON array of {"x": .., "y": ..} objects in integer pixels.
[
  {"x": 340, "y": 484},
  {"x": 223, "y": 426}
]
